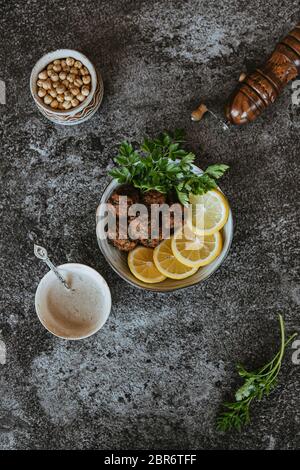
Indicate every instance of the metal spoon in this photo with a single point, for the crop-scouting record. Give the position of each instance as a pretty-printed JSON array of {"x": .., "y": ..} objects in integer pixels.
[
  {"x": 42, "y": 254},
  {"x": 222, "y": 123},
  {"x": 202, "y": 109}
]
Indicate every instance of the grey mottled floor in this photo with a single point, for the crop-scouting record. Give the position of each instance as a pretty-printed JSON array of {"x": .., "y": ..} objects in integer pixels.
[{"x": 156, "y": 375}]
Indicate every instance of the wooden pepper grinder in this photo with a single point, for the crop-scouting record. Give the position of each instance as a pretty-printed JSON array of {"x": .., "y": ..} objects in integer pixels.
[{"x": 261, "y": 88}]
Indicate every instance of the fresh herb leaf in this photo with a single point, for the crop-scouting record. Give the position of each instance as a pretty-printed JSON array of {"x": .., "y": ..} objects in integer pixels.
[
  {"x": 257, "y": 385},
  {"x": 182, "y": 197},
  {"x": 121, "y": 174},
  {"x": 216, "y": 171},
  {"x": 164, "y": 165}
]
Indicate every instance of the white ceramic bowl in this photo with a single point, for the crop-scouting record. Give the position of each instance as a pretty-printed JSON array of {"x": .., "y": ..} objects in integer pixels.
[
  {"x": 118, "y": 259},
  {"x": 84, "y": 110},
  {"x": 88, "y": 319}
]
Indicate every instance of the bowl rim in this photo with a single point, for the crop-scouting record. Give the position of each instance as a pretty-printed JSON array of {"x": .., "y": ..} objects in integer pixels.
[
  {"x": 61, "y": 54},
  {"x": 151, "y": 287}
]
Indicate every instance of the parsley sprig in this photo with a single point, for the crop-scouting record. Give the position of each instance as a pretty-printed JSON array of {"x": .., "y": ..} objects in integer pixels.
[
  {"x": 257, "y": 385},
  {"x": 164, "y": 165}
]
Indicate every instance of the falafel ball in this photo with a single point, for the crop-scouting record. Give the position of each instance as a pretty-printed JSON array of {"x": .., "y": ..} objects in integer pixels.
[
  {"x": 120, "y": 205},
  {"x": 130, "y": 191},
  {"x": 154, "y": 197},
  {"x": 123, "y": 244},
  {"x": 140, "y": 229},
  {"x": 151, "y": 242}
]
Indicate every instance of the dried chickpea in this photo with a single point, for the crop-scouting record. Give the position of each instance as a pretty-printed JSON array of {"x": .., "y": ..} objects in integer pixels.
[
  {"x": 60, "y": 98},
  {"x": 53, "y": 93},
  {"x": 57, "y": 68},
  {"x": 80, "y": 97},
  {"x": 66, "y": 83},
  {"x": 50, "y": 66},
  {"x": 63, "y": 63},
  {"x": 60, "y": 89},
  {"x": 74, "y": 102},
  {"x": 66, "y": 68},
  {"x": 78, "y": 82},
  {"x": 48, "y": 99},
  {"x": 55, "y": 84},
  {"x": 78, "y": 64},
  {"x": 61, "y": 106},
  {"x": 74, "y": 70},
  {"x": 85, "y": 91},
  {"x": 40, "y": 83},
  {"x": 43, "y": 75},
  {"x": 86, "y": 79},
  {"x": 47, "y": 84},
  {"x": 42, "y": 92},
  {"x": 70, "y": 61},
  {"x": 75, "y": 91},
  {"x": 57, "y": 62},
  {"x": 62, "y": 75},
  {"x": 84, "y": 71},
  {"x": 67, "y": 104},
  {"x": 54, "y": 104},
  {"x": 68, "y": 96},
  {"x": 54, "y": 77},
  {"x": 71, "y": 77}
]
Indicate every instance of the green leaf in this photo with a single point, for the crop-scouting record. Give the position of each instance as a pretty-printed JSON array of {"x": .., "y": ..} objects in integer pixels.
[
  {"x": 216, "y": 171},
  {"x": 121, "y": 160},
  {"x": 189, "y": 158},
  {"x": 246, "y": 390},
  {"x": 174, "y": 147},
  {"x": 173, "y": 168},
  {"x": 125, "y": 149},
  {"x": 121, "y": 175},
  {"x": 182, "y": 197}
]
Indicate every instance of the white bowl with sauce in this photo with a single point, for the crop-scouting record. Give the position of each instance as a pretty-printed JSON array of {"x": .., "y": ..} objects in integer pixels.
[{"x": 76, "y": 313}]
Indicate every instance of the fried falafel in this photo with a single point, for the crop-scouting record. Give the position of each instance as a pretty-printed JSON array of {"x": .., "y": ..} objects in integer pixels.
[{"x": 154, "y": 197}]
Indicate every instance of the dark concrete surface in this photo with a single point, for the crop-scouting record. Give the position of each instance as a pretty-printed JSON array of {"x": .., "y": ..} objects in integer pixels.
[{"x": 156, "y": 375}]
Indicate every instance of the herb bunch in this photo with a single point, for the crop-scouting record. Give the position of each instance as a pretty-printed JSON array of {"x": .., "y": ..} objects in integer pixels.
[
  {"x": 162, "y": 164},
  {"x": 257, "y": 385}
]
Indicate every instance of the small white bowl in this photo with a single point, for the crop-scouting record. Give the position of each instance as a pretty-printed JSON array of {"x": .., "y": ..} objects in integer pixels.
[
  {"x": 73, "y": 320},
  {"x": 84, "y": 110}
]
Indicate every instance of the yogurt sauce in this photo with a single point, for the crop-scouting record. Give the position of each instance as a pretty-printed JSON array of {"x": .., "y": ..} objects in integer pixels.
[{"x": 76, "y": 312}]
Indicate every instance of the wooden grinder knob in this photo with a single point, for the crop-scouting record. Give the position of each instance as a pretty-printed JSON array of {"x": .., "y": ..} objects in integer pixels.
[{"x": 261, "y": 88}]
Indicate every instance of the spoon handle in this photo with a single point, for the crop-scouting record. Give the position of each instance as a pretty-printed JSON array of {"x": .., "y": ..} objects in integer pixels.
[{"x": 56, "y": 272}]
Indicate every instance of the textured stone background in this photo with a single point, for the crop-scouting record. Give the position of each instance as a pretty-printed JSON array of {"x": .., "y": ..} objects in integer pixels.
[{"x": 156, "y": 375}]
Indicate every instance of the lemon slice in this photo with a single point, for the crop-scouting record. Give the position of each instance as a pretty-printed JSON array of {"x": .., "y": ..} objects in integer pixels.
[
  {"x": 140, "y": 262},
  {"x": 168, "y": 265},
  {"x": 208, "y": 213},
  {"x": 196, "y": 250}
]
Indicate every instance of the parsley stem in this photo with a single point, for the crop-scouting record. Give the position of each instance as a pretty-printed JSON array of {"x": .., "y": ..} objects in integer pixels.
[{"x": 268, "y": 366}]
